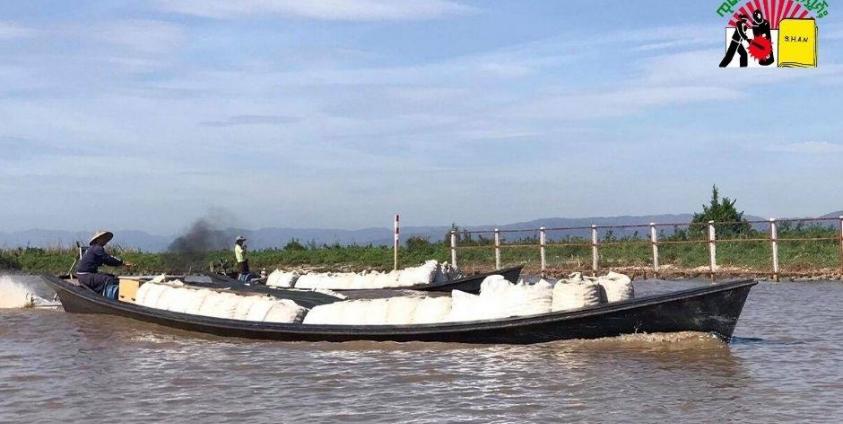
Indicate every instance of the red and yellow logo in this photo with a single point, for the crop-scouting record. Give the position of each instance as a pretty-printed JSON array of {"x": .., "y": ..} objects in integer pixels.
[{"x": 769, "y": 33}]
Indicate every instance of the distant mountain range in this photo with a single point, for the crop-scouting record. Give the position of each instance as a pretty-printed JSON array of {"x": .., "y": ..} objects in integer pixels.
[{"x": 277, "y": 237}]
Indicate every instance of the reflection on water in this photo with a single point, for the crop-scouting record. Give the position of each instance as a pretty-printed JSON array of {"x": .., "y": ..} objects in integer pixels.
[{"x": 784, "y": 365}]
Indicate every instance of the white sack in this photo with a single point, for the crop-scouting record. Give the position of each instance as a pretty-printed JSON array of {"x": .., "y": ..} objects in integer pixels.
[
  {"x": 143, "y": 293},
  {"x": 197, "y": 298},
  {"x": 280, "y": 278},
  {"x": 369, "y": 280},
  {"x": 500, "y": 298},
  {"x": 181, "y": 299},
  {"x": 494, "y": 285},
  {"x": 260, "y": 308},
  {"x": 244, "y": 303},
  {"x": 207, "y": 302},
  {"x": 422, "y": 274},
  {"x": 285, "y": 311},
  {"x": 467, "y": 307},
  {"x": 347, "y": 312},
  {"x": 169, "y": 297},
  {"x": 385, "y": 279},
  {"x": 220, "y": 305},
  {"x": 152, "y": 294},
  {"x": 326, "y": 280},
  {"x": 401, "y": 310},
  {"x": 617, "y": 287},
  {"x": 574, "y": 295},
  {"x": 432, "y": 310}
]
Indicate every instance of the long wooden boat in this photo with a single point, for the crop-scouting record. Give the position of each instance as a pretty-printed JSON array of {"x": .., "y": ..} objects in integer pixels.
[
  {"x": 713, "y": 309},
  {"x": 468, "y": 284}
]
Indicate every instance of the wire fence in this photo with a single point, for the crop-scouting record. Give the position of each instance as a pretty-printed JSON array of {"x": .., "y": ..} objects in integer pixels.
[{"x": 660, "y": 248}]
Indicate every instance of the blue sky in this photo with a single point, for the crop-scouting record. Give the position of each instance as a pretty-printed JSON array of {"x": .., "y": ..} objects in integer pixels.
[{"x": 147, "y": 114}]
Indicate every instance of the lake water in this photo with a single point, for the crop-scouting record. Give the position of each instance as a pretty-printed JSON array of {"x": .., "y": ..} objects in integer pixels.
[{"x": 786, "y": 364}]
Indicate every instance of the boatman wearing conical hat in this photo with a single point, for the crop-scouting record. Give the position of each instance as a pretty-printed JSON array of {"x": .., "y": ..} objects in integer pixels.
[
  {"x": 95, "y": 256},
  {"x": 240, "y": 257}
]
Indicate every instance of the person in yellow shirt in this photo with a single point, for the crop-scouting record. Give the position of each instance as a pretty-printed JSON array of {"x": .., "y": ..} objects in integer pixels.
[{"x": 240, "y": 257}]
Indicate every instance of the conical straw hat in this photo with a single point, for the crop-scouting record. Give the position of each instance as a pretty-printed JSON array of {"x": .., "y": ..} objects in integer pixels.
[{"x": 107, "y": 235}]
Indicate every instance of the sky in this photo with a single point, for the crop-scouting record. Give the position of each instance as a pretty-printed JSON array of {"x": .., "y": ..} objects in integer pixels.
[{"x": 337, "y": 114}]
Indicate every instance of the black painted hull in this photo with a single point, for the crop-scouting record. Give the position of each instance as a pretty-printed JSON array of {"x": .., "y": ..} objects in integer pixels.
[{"x": 712, "y": 309}]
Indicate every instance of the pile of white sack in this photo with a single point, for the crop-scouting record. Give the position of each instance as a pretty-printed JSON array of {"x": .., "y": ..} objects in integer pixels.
[
  {"x": 175, "y": 296},
  {"x": 612, "y": 287},
  {"x": 498, "y": 298},
  {"x": 390, "y": 311},
  {"x": 429, "y": 272}
]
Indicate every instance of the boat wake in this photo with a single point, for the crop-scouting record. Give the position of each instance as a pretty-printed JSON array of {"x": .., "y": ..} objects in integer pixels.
[
  {"x": 660, "y": 341},
  {"x": 23, "y": 292}
]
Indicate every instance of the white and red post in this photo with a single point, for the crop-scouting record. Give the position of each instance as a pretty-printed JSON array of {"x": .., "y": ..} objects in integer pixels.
[{"x": 396, "y": 232}]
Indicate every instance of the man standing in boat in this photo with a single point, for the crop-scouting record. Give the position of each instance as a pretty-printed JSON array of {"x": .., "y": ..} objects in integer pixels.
[
  {"x": 240, "y": 256},
  {"x": 95, "y": 256}
]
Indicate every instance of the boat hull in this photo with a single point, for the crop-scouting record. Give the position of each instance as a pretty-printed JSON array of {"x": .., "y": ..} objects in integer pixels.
[{"x": 713, "y": 309}]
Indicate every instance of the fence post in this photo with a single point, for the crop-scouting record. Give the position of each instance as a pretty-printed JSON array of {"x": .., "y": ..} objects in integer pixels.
[
  {"x": 654, "y": 239},
  {"x": 774, "y": 235},
  {"x": 542, "y": 241},
  {"x": 712, "y": 249},
  {"x": 497, "y": 249},
  {"x": 395, "y": 244},
  {"x": 595, "y": 255},
  {"x": 453, "y": 248}
]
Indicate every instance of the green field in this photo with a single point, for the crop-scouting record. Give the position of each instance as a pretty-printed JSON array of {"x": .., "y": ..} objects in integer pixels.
[{"x": 679, "y": 253}]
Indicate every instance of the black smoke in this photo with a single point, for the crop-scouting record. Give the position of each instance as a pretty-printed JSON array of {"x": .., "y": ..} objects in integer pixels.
[
  {"x": 189, "y": 251},
  {"x": 201, "y": 237}
]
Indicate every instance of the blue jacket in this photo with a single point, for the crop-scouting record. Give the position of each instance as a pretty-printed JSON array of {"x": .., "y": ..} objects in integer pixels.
[{"x": 96, "y": 257}]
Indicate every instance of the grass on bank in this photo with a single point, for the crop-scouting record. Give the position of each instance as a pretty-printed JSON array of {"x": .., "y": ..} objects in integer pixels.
[{"x": 794, "y": 256}]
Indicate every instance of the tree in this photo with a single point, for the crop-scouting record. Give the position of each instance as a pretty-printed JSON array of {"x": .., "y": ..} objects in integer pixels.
[
  {"x": 418, "y": 243},
  {"x": 294, "y": 245},
  {"x": 721, "y": 210}
]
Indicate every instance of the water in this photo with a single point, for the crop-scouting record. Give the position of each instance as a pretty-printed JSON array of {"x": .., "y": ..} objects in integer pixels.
[
  {"x": 25, "y": 291},
  {"x": 785, "y": 365}
]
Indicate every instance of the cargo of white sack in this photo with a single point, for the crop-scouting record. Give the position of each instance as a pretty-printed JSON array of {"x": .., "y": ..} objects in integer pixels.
[
  {"x": 429, "y": 272},
  {"x": 175, "y": 296},
  {"x": 498, "y": 299}
]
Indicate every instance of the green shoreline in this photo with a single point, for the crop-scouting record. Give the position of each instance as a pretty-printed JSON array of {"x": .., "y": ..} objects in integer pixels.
[{"x": 808, "y": 259}]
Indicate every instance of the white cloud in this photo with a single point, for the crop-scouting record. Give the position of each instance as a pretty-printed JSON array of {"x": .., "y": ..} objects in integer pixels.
[
  {"x": 9, "y": 31},
  {"x": 334, "y": 10},
  {"x": 817, "y": 147}
]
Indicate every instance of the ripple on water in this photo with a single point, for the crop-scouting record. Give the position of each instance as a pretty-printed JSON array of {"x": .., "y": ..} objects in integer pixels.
[{"x": 782, "y": 365}]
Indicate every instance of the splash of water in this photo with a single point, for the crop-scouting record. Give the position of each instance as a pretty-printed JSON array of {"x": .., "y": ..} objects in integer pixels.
[
  {"x": 14, "y": 294},
  {"x": 17, "y": 294}
]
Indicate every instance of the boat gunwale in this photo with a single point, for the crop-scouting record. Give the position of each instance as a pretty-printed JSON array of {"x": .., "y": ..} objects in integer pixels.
[{"x": 404, "y": 329}]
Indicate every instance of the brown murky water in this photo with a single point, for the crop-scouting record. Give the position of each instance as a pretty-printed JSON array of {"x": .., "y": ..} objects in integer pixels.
[{"x": 785, "y": 365}]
